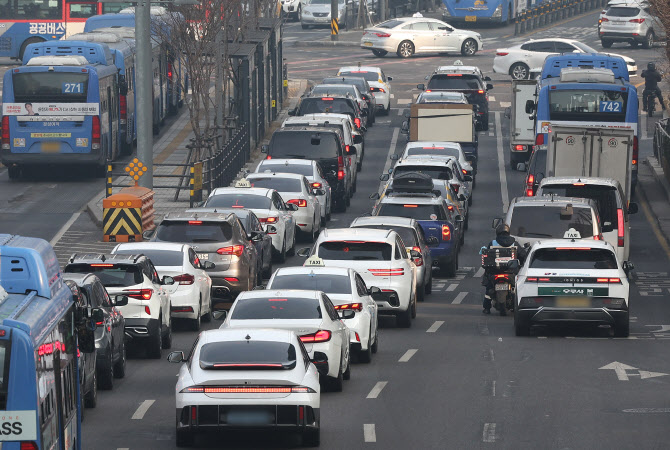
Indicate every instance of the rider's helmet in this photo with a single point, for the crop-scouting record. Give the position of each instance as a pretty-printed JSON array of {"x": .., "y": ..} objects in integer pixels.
[
  {"x": 502, "y": 228},
  {"x": 651, "y": 66}
]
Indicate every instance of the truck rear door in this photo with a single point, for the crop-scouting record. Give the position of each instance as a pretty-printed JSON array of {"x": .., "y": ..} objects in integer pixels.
[{"x": 522, "y": 126}]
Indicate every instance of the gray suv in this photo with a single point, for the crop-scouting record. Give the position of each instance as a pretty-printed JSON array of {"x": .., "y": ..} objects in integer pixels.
[{"x": 630, "y": 22}]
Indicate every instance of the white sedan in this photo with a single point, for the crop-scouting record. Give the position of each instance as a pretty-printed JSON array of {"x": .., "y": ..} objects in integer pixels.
[
  {"x": 269, "y": 207},
  {"x": 190, "y": 294},
  {"x": 347, "y": 290},
  {"x": 247, "y": 379},
  {"x": 311, "y": 315},
  {"x": 580, "y": 281},
  {"x": 379, "y": 83},
  {"x": 518, "y": 60},
  {"x": 296, "y": 190}
]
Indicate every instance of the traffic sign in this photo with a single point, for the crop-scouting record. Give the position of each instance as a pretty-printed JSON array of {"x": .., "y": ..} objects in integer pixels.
[{"x": 135, "y": 169}]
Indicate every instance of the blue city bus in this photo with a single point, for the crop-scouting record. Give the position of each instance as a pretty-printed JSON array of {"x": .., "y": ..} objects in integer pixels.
[
  {"x": 61, "y": 109},
  {"x": 500, "y": 12},
  {"x": 40, "y": 404},
  {"x": 604, "y": 101},
  {"x": 123, "y": 51}
]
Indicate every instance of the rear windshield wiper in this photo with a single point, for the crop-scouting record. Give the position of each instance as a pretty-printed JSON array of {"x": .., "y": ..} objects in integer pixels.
[{"x": 295, "y": 156}]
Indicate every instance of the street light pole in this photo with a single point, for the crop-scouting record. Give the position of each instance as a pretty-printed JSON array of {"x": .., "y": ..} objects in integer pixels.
[{"x": 144, "y": 75}]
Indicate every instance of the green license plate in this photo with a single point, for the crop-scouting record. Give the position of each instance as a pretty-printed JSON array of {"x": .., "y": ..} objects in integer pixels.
[{"x": 574, "y": 291}]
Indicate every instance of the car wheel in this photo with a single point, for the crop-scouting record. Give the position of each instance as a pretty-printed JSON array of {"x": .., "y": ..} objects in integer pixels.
[
  {"x": 106, "y": 377},
  {"x": 336, "y": 383},
  {"x": 519, "y": 71},
  {"x": 428, "y": 287},
  {"x": 404, "y": 318},
  {"x": 414, "y": 308},
  {"x": 328, "y": 215},
  {"x": 267, "y": 273},
  {"x": 519, "y": 328},
  {"x": 622, "y": 327},
  {"x": 120, "y": 366},
  {"x": 185, "y": 438},
  {"x": 421, "y": 294},
  {"x": 462, "y": 240},
  {"x": 365, "y": 356},
  {"x": 375, "y": 346},
  {"x": 311, "y": 437},
  {"x": 469, "y": 47},
  {"x": 208, "y": 317},
  {"x": 291, "y": 250},
  {"x": 485, "y": 122},
  {"x": 605, "y": 43},
  {"x": 466, "y": 224},
  {"x": 452, "y": 267},
  {"x": 195, "y": 323},
  {"x": 648, "y": 40},
  {"x": 281, "y": 256},
  {"x": 91, "y": 397},
  {"x": 347, "y": 200},
  {"x": 304, "y": 27},
  {"x": 167, "y": 337},
  {"x": 470, "y": 199},
  {"x": 154, "y": 346},
  {"x": 405, "y": 49},
  {"x": 346, "y": 375},
  {"x": 634, "y": 44},
  {"x": 379, "y": 53}
]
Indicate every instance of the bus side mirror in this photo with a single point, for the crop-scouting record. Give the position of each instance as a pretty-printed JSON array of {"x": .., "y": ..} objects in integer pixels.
[{"x": 530, "y": 106}]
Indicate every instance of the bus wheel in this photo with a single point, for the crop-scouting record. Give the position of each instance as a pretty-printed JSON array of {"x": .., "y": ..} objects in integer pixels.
[
  {"x": 14, "y": 172},
  {"x": 26, "y": 43},
  {"x": 156, "y": 129}
]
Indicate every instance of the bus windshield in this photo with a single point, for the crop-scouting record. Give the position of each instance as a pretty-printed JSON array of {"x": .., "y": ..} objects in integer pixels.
[
  {"x": 62, "y": 87},
  {"x": 588, "y": 104}
]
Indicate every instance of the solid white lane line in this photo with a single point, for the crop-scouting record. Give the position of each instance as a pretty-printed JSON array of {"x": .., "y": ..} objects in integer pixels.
[
  {"x": 643, "y": 126},
  {"x": 489, "y": 432},
  {"x": 142, "y": 409},
  {"x": 452, "y": 287},
  {"x": 479, "y": 273},
  {"x": 387, "y": 166},
  {"x": 493, "y": 388},
  {"x": 408, "y": 355},
  {"x": 501, "y": 163},
  {"x": 374, "y": 393},
  {"x": 369, "y": 434},
  {"x": 64, "y": 228},
  {"x": 434, "y": 327},
  {"x": 123, "y": 448},
  {"x": 459, "y": 298}
]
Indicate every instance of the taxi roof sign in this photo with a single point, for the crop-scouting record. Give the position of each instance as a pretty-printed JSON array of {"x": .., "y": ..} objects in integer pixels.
[
  {"x": 572, "y": 234},
  {"x": 458, "y": 62},
  {"x": 242, "y": 183},
  {"x": 314, "y": 261}
]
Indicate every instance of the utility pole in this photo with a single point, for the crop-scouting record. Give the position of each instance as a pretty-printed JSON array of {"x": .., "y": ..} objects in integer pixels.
[
  {"x": 334, "y": 26},
  {"x": 144, "y": 75}
]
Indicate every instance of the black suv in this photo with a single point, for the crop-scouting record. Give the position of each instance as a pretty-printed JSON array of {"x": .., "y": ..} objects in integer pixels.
[
  {"x": 363, "y": 86},
  {"x": 337, "y": 104},
  {"x": 324, "y": 145},
  {"x": 468, "y": 80}
]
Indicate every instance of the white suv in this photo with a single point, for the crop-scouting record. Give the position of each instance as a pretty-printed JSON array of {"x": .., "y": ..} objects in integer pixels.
[
  {"x": 147, "y": 314},
  {"x": 630, "y": 22}
]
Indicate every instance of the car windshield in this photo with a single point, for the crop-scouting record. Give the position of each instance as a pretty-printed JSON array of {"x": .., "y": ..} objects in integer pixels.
[
  {"x": 430, "y": 151},
  {"x": 573, "y": 258},
  {"x": 369, "y": 76},
  {"x": 328, "y": 283},
  {"x": 111, "y": 275},
  {"x": 408, "y": 235},
  {"x": 355, "y": 251},
  {"x": 602, "y": 105},
  {"x": 317, "y": 105},
  {"x": 194, "y": 231},
  {"x": 238, "y": 354},
  {"x": 454, "y": 82},
  {"x": 585, "y": 48},
  {"x": 441, "y": 173},
  {"x": 412, "y": 211},
  {"x": 341, "y": 89},
  {"x": 622, "y": 11},
  {"x": 540, "y": 221},
  {"x": 441, "y": 97},
  {"x": 157, "y": 257},
  {"x": 304, "y": 145},
  {"x": 276, "y": 308},
  {"x": 300, "y": 169},
  {"x": 604, "y": 196},
  {"x": 231, "y": 200},
  {"x": 278, "y": 183}
]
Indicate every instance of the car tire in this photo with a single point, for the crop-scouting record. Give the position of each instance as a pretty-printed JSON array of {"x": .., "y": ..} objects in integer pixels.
[
  {"x": 469, "y": 47},
  {"x": 106, "y": 375},
  {"x": 622, "y": 327},
  {"x": 365, "y": 356},
  {"x": 346, "y": 375},
  {"x": 606, "y": 43},
  {"x": 311, "y": 437},
  {"x": 648, "y": 40},
  {"x": 167, "y": 337},
  {"x": 120, "y": 366},
  {"x": 195, "y": 323},
  {"x": 185, "y": 438},
  {"x": 519, "y": 328},
  {"x": 405, "y": 49},
  {"x": 428, "y": 287},
  {"x": 154, "y": 346},
  {"x": 470, "y": 200},
  {"x": 208, "y": 317},
  {"x": 421, "y": 294},
  {"x": 462, "y": 239},
  {"x": 336, "y": 384},
  {"x": 375, "y": 346},
  {"x": 451, "y": 267},
  {"x": 404, "y": 318},
  {"x": 304, "y": 27},
  {"x": 466, "y": 223},
  {"x": 485, "y": 122},
  {"x": 519, "y": 71},
  {"x": 91, "y": 397},
  {"x": 291, "y": 250},
  {"x": 414, "y": 308},
  {"x": 267, "y": 273},
  {"x": 329, "y": 213},
  {"x": 280, "y": 257},
  {"x": 379, "y": 53}
]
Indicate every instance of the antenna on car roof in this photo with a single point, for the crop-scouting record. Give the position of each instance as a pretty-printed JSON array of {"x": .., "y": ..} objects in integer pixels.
[
  {"x": 103, "y": 258},
  {"x": 247, "y": 337}
]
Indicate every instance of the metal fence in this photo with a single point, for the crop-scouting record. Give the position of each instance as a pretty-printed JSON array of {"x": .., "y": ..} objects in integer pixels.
[
  {"x": 662, "y": 145},
  {"x": 545, "y": 13},
  {"x": 222, "y": 168}
]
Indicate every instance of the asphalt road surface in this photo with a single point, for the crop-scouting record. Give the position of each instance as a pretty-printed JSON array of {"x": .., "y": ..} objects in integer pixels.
[{"x": 457, "y": 378}]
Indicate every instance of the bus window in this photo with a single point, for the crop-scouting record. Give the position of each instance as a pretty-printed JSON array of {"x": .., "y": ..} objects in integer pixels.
[
  {"x": 50, "y": 87},
  {"x": 114, "y": 7},
  {"x": 82, "y": 10},
  {"x": 33, "y": 9},
  {"x": 4, "y": 373}
]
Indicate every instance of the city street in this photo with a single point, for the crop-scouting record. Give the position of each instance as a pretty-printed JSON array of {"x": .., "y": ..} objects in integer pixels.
[{"x": 456, "y": 379}]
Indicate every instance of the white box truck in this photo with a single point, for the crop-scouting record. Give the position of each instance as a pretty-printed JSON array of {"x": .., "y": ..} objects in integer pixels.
[{"x": 522, "y": 125}]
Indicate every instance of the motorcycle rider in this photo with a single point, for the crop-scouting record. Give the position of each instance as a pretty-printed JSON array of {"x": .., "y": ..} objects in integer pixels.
[
  {"x": 651, "y": 78},
  {"x": 502, "y": 239}
]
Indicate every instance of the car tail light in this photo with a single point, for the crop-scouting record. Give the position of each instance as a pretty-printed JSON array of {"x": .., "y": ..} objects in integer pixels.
[
  {"x": 501, "y": 277},
  {"x": 519, "y": 147},
  {"x": 236, "y": 250},
  {"x": 450, "y": 208},
  {"x": 619, "y": 224},
  {"x": 139, "y": 294},
  {"x": 353, "y": 306},
  {"x": 387, "y": 272},
  {"x": 481, "y": 91},
  {"x": 597, "y": 237},
  {"x": 28, "y": 445},
  {"x": 319, "y": 336},
  {"x": 376, "y": 89},
  {"x": 184, "y": 279},
  {"x": 539, "y": 139},
  {"x": 147, "y": 310},
  {"x": 123, "y": 109},
  {"x": 456, "y": 187},
  {"x": 316, "y": 185},
  {"x": 95, "y": 134},
  {"x": 232, "y": 279},
  {"x": 383, "y": 35},
  {"x": 302, "y": 203},
  {"x": 641, "y": 20},
  {"x": 419, "y": 259},
  {"x": 5, "y": 133},
  {"x": 531, "y": 278},
  {"x": 604, "y": 19},
  {"x": 357, "y": 121},
  {"x": 636, "y": 150},
  {"x": 268, "y": 157},
  {"x": 340, "y": 168},
  {"x": 170, "y": 71},
  {"x": 267, "y": 219},
  {"x": 609, "y": 280},
  {"x": 446, "y": 233},
  {"x": 502, "y": 53},
  {"x": 530, "y": 185},
  {"x": 246, "y": 389}
]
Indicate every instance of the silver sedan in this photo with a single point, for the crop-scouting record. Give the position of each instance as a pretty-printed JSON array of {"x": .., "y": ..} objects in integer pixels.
[{"x": 417, "y": 35}]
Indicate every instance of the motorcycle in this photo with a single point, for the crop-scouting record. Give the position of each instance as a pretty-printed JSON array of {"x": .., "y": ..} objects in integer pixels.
[
  {"x": 502, "y": 265},
  {"x": 650, "y": 101}
]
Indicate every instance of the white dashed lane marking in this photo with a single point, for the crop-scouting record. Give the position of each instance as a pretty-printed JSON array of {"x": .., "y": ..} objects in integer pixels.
[
  {"x": 434, "y": 327},
  {"x": 369, "y": 433},
  {"x": 142, "y": 409},
  {"x": 377, "y": 389},
  {"x": 408, "y": 355},
  {"x": 459, "y": 298}
]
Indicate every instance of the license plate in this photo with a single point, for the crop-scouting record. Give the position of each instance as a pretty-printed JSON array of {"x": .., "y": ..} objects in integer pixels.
[
  {"x": 471, "y": 18},
  {"x": 50, "y": 147},
  {"x": 573, "y": 302},
  {"x": 203, "y": 256},
  {"x": 574, "y": 291},
  {"x": 250, "y": 418},
  {"x": 504, "y": 259},
  {"x": 367, "y": 44},
  {"x": 618, "y": 23},
  {"x": 502, "y": 287}
]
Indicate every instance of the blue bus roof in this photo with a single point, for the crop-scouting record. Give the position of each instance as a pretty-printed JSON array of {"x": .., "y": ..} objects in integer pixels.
[
  {"x": 31, "y": 276},
  {"x": 109, "y": 20},
  {"x": 99, "y": 70},
  {"x": 553, "y": 64},
  {"x": 120, "y": 48},
  {"x": 94, "y": 52}
]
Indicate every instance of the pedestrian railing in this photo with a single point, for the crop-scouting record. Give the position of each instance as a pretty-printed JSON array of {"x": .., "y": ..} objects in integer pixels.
[{"x": 662, "y": 145}]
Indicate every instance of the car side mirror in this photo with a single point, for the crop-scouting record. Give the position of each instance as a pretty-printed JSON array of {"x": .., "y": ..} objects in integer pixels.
[
  {"x": 497, "y": 221},
  {"x": 176, "y": 357},
  {"x": 119, "y": 300},
  {"x": 292, "y": 207},
  {"x": 632, "y": 208},
  {"x": 374, "y": 196},
  {"x": 384, "y": 177},
  {"x": 521, "y": 167},
  {"x": 304, "y": 252},
  {"x": 98, "y": 316},
  {"x": 489, "y": 86},
  {"x": 459, "y": 218},
  {"x": 421, "y": 86},
  {"x": 293, "y": 112},
  {"x": 530, "y": 106},
  {"x": 260, "y": 287},
  {"x": 404, "y": 128},
  {"x": 374, "y": 290},
  {"x": 167, "y": 281},
  {"x": 414, "y": 254},
  {"x": 220, "y": 314},
  {"x": 352, "y": 151},
  {"x": 394, "y": 157},
  {"x": 264, "y": 148},
  {"x": 319, "y": 192},
  {"x": 347, "y": 314},
  {"x": 207, "y": 265},
  {"x": 467, "y": 177},
  {"x": 389, "y": 78},
  {"x": 432, "y": 241},
  {"x": 607, "y": 227},
  {"x": 147, "y": 235},
  {"x": 487, "y": 78},
  {"x": 462, "y": 197},
  {"x": 256, "y": 236},
  {"x": 270, "y": 229},
  {"x": 358, "y": 139}
]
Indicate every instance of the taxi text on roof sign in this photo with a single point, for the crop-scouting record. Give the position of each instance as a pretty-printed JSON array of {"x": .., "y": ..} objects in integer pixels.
[
  {"x": 243, "y": 183},
  {"x": 572, "y": 234},
  {"x": 314, "y": 261}
]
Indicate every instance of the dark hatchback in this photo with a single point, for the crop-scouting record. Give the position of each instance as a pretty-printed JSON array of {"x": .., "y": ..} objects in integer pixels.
[
  {"x": 331, "y": 104},
  {"x": 363, "y": 86}
]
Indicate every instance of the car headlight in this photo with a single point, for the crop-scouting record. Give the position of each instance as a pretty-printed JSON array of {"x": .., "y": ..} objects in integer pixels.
[
  {"x": 446, "y": 13},
  {"x": 306, "y": 12},
  {"x": 498, "y": 12}
]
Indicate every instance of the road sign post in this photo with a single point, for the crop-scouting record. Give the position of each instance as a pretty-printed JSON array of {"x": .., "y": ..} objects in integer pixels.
[{"x": 334, "y": 26}]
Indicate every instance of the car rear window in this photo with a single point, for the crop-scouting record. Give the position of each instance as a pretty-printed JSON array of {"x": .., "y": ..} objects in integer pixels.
[
  {"x": 317, "y": 105},
  {"x": 342, "y": 89},
  {"x": 430, "y": 151},
  {"x": 157, "y": 257},
  {"x": 300, "y": 169},
  {"x": 304, "y": 145},
  {"x": 278, "y": 183},
  {"x": 239, "y": 201},
  {"x": 355, "y": 251},
  {"x": 368, "y": 75},
  {"x": 111, "y": 275},
  {"x": 573, "y": 258},
  {"x": 604, "y": 196},
  {"x": 390, "y": 24},
  {"x": 441, "y": 97},
  {"x": 441, "y": 173},
  {"x": 454, "y": 82},
  {"x": 247, "y": 354},
  {"x": 276, "y": 308},
  {"x": 538, "y": 221},
  {"x": 408, "y": 235},
  {"x": 328, "y": 283},
  {"x": 412, "y": 211},
  {"x": 618, "y": 11},
  {"x": 194, "y": 231},
  {"x": 356, "y": 81}
]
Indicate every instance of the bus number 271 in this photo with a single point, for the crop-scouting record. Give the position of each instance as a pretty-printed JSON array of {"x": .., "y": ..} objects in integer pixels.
[{"x": 73, "y": 88}]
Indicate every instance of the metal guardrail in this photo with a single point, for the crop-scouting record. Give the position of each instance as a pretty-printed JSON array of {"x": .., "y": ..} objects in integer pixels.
[
  {"x": 221, "y": 168},
  {"x": 662, "y": 145},
  {"x": 549, "y": 12}
]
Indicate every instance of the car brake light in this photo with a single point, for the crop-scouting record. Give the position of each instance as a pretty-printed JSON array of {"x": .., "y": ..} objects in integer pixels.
[
  {"x": 195, "y": 222},
  {"x": 102, "y": 265},
  {"x": 450, "y": 208},
  {"x": 446, "y": 233},
  {"x": 519, "y": 147},
  {"x": 185, "y": 279},
  {"x": 245, "y": 389},
  {"x": 454, "y": 75},
  {"x": 502, "y": 53},
  {"x": 410, "y": 206},
  {"x": 95, "y": 133},
  {"x": 123, "y": 109},
  {"x": 456, "y": 187},
  {"x": 636, "y": 150},
  {"x": 419, "y": 259},
  {"x": 641, "y": 20},
  {"x": 169, "y": 67},
  {"x": 5, "y": 133},
  {"x": 387, "y": 272},
  {"x": 619, "y": 224},
  {"x": 357, "y": 121},
  {"x": 267, "y": 219},
  {"x": 139, "y": 294},
  {"x": 316, "y": 185},
  {"x": 378, "y": 90},
  {"x": 353, "y": 306},
  {"x": 481, "y": 91},
  {"x": 501, "y": 276},
  {"x": 340, "y": 168},
  {"x": 328, "y": 99},
  {"x": 319, "y": 336},
  {"x": 268, "y": 157},
  {"x": 531, "y": 279},
  {"x": 302, "y": 203},
  {"x": 539, "y": 139},
  {"x": 236, "y": 250},
  {"x": 604, "y": 19},
  {"x": 383, "y": 35},
  {"x": 579, "y": 184}
]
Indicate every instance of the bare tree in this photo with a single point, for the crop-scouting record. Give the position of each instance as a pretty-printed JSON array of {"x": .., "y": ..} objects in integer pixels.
[{"x": 661, "y": 9}]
